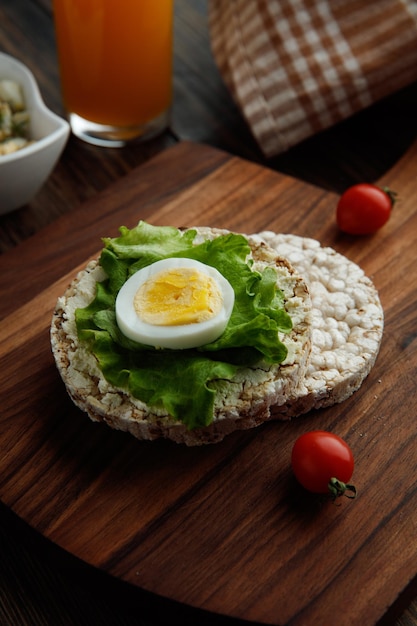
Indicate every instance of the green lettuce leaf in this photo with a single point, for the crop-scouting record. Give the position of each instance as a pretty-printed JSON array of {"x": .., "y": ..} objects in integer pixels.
[{"x": 183, "y": 382}]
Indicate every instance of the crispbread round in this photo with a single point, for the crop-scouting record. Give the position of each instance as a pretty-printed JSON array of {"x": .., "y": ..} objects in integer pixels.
[
  {"x": 347, "y": 318},
  {"x": 243, "y": 403}
]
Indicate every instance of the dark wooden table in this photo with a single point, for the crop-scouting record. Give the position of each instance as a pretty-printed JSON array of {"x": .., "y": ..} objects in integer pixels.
[{"x": 39, "y": 583}]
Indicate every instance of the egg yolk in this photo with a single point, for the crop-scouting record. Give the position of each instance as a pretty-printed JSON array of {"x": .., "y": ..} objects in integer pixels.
[{"x": 178, "y": 296}]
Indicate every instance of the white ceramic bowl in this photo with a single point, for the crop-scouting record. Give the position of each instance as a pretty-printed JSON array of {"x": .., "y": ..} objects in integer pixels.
[{"x": 23, "y": 173}]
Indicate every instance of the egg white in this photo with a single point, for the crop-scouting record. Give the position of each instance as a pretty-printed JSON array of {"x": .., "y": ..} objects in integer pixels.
[{"x": 178, "y": 337}]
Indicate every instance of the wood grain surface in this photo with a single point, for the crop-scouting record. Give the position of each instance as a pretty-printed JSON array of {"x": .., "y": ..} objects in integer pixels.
[{"x": 225, "y": 527}]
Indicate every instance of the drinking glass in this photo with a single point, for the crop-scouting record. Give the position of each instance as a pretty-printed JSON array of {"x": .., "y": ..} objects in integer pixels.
[{"x": 115, "y": 59}]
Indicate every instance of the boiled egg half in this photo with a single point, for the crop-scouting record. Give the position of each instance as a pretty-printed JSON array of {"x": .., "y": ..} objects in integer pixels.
[{"x": 175, "y": 303}]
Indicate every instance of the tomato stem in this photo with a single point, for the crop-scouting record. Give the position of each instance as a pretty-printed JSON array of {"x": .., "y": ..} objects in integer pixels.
[
  {"x": 392, "y": 195},
  {"x": 338, "y": 488}
]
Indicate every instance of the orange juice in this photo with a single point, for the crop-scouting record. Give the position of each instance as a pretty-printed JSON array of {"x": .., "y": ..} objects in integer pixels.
[{"x": 115, "y": 59}]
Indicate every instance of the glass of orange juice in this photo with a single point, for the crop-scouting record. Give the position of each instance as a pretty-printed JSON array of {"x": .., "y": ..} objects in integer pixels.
[{"x": 115, "y": 59}]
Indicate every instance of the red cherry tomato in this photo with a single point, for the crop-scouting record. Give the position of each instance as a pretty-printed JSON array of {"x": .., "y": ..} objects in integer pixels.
[
  {"x": 364, "y": 208},
  {"x": 323, "y": 463}
]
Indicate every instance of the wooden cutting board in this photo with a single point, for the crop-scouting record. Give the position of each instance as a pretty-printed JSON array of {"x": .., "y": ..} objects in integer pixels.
[{"x": 225, "y": 527}]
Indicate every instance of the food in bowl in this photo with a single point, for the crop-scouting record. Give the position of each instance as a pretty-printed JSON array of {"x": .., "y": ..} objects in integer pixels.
[{"x": 14, "y": 118}]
